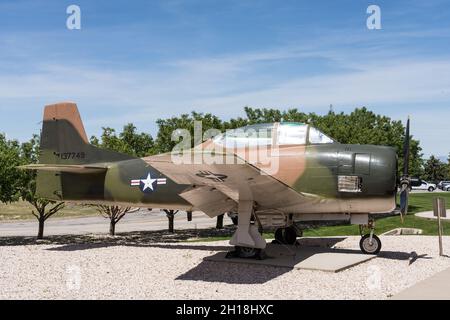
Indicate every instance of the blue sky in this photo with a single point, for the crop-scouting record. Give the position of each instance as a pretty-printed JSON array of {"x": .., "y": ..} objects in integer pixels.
[{"x": 137, "y": 61}]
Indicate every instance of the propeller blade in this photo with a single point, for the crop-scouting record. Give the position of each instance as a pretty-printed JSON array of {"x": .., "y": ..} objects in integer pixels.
[
  {"x": 405, "y": 181},
  {"x": 404, "y": 194},
  {"x": 406, "y": 151}
]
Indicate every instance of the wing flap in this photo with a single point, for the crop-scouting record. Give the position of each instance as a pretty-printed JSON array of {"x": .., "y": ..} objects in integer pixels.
[{"x": 209, "y": 200}]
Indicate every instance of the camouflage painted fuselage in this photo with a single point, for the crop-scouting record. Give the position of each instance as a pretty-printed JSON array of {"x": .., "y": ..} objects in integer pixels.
[{"x": 332, "y": 178}]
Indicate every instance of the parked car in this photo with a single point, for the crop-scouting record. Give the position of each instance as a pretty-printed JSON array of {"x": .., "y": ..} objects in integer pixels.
[
  {"x": 419, "y": 184},
  {"x": 444, "y": 185}
]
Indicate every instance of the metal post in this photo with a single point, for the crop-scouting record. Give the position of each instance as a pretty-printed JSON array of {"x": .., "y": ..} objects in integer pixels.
[{"x": 439, "y": 210}]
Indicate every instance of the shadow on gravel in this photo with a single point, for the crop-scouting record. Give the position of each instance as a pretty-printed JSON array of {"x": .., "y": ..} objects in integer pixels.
[
  {"x": 217, "y": 268},
  {"x": 135, "y": 238},
  {"x": 233, "y": 273},
  {"x": 411, "y": 256}
]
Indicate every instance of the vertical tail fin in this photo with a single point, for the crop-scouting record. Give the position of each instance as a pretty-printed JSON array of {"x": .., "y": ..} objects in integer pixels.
[
  {"x": 64, "y": 142},
  {"x": 63, "y": 138}
]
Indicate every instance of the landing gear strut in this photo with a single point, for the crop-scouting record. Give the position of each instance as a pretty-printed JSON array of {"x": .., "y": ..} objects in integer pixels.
[
  {"x": 247, "y": 240},
  {"x": 369, "y": 243}
]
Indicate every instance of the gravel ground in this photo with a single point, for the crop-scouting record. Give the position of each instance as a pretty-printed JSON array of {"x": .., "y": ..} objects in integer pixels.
[{"x": 177, "y": 271}]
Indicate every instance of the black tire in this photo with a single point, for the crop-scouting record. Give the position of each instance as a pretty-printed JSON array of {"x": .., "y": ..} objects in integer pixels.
[
  {"x": 365, "y": 246},
  {"x": 286, "y": 235},
  {"x": 448, "y": 189},
  {"x": 430, "y": 189},
  {"x": 246, "y": 252},
  {"x": 279, "y": 235},
  {"x": 234, "y": 220},
  {"x": 290, "y": 235}
]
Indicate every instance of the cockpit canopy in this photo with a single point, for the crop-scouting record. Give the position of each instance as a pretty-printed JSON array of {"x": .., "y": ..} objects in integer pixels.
[{"x": 288, "y": 133}]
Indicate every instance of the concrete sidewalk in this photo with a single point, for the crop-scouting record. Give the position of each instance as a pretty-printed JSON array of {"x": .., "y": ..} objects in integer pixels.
[
  {"x": 309, "y": 254},
  {"x": 436, "y": 287}
]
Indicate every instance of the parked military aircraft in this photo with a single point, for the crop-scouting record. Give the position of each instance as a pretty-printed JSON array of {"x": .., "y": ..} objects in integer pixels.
[{"x": 315, "y": 178}]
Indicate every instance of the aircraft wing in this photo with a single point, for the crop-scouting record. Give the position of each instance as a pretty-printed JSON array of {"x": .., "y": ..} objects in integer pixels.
[{"x": 215, "y": 188}]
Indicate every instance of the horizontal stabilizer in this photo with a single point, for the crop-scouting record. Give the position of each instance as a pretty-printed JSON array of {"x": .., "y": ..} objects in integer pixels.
[{"x": 75, "y": 168}]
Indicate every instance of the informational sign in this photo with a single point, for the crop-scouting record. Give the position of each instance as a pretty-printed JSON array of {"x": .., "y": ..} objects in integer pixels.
[{"x": 439, "y": 207}]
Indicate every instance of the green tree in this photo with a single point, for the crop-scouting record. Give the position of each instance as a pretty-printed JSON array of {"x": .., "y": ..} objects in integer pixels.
[
  {"x": 10, "y": 177},
  {"x": 166, "y": 127},
  {"x": 447, "y": 172},
  {"x": 171, "y": 217},
  {"x": 42, "y": 208},
  {"x": 114, "y": 214},
  {"x": 128, "y": 141},
  {"x": 435, "y": 170}
]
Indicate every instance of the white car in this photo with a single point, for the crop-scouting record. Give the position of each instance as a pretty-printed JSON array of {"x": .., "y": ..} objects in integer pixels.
[{"x": 424, "y": 186}]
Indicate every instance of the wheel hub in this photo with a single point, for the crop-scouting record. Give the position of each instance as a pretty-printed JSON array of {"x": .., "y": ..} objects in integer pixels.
[{"x": 246, "y": 252}]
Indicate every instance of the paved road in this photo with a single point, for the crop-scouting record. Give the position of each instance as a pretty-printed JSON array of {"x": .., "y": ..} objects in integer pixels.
[
  {"x": 141, "y": 220},
  {"x": 426, "y": 191},
  {"x": 436, "y": 287}
]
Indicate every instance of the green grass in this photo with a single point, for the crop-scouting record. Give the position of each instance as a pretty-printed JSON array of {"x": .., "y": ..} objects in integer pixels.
[
  {"x": 417, "y": 202},
  {"x": 21, "y": 210}
]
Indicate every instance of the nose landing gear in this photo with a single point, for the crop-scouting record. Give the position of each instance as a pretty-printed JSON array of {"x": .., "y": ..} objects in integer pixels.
[{"x": 369, "y": 243}]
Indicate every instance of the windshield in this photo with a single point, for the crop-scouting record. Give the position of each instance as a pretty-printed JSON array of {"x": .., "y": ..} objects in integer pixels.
[
  {"x": 253, "y": 135},
  {"x": 317, "y": 137},
  {"x": 289, "y": 133}
]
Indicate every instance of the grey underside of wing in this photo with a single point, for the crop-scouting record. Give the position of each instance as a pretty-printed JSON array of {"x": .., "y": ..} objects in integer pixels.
[{"x": 236, "y": 179}]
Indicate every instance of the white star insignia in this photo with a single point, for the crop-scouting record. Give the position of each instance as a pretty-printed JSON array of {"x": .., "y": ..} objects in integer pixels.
[{"x": 148, "y": 182}]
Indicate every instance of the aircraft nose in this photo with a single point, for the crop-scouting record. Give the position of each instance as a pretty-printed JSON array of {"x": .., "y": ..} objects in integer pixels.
[{"x": 384, "y": 168}]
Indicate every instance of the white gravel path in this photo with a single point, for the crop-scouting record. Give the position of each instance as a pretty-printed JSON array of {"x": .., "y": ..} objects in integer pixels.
[{"x": 177, "y": 271}]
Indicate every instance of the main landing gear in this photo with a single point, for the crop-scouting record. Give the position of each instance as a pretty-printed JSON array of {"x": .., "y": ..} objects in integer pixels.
[
  {"x": 247, "y": 240},
  {"x": 369, "y": 243},
  {"x": 287, "y": 235},
  {"x": 246, "y": 253}
]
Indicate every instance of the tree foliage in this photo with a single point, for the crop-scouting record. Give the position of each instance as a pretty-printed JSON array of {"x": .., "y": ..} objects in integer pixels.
[
  {"x": 11, "y": 179},
  {"x": 42, "y": 208},
  {"x": 435, "y": 170},
  {"x": 18, "y": 184},
  {"x": 166, "y": 127},
  {"x": 128, "y": 141}
]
